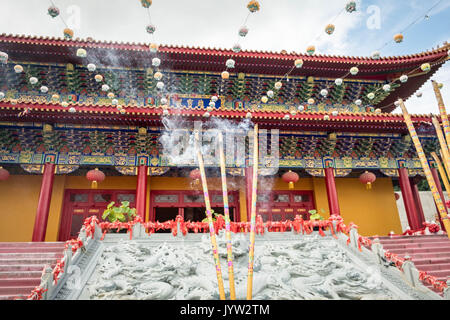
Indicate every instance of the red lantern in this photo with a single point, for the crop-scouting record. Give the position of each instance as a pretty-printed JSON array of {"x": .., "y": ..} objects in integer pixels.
[
  {"x": 368, "y": 178},
  {"x": 196, "y": 176},
  {"x": 291, "y": 178},
  {"x": 95, "y": 176},
  {"x": 4, "y": 174},
  {"x": 397, "y": 196}
]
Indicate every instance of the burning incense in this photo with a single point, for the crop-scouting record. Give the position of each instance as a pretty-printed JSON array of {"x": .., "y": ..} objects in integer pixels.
[
  {"x": 442, "y": 111},
  {"x": 212, "y": 233},
  {"x": 251, "y": 252},
  {"x": 426, "y": 169},
  {"x": 441, "y": 171},
  {"x": 227, "y": 218}
]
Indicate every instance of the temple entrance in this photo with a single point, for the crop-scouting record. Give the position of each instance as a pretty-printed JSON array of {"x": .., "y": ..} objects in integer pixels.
[{"x": 284, "y": 205}]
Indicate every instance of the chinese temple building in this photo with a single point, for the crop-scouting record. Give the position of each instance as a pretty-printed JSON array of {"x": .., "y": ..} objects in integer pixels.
[{"x": 334, "y": 137}]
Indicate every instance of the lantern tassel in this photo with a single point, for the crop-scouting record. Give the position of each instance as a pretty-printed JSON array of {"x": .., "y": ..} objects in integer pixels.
[
  {"x": 94, "y": 185},
  {"x": 291, "y": 185},
  {"x": 368, "y": 185}
]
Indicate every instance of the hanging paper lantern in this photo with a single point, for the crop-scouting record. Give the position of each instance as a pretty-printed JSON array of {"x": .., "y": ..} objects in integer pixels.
[
  {"x": 105, "y": 87},
  {"x": 53, "y": 11},
  {"x": 119, "y": 108},
  {"x": 4, "y": 174},
  {"x": 419, "y": 94},
  {"x": 290, "y": 177},
  {"x": 153, "y": 47},
  {"x": 386, "y": 87},
  {"x": 376, "y": 55},
  {"x": 326, "y": 117},
  {"x": 301, "y": 108},
  {"x": 440, "y": 85},
  {"x": 68, "y": 33},
  {"x": 146, "y": 3},
  {"x": 114, "y": 102},
  {"x": 334, "y": 113},
  {"x": 338, "y": 81},
  {"x": 55, "y": 97},
  {"x": 350, "y": 6},
  {"x": 358, "y": 102},
  {"x": 293, "y": 112},
  {"x": 64, "y": 104},
  {"x": 298, "y": 63},
  {"x": 264, "y": 99},
  {"x": 248, "y": 115},
  {"x": 398, "y": 38},
  {"x": 3, "y": 57},
  {"x": 310, "y": 50},
  {"x": 278, "y": 85},
  {"x": 270, "y": 94},
  {"x": 18, "y": 68},
  {"x": 214, "y": 98},
  {"x": 2, "y": 95},
  {"x": 206, "y": 115},
  {"x": 397, "y": 103},
  {"x": 354, "y": 71},
  {"x": 404, "y": 78},
  {"x": 33, "y": 80},
  {"x": 160, "y": 85},
  {"x": 123, "y": 111},
  {"x": 243, "y": 31},
  {"x": 310, "y": 101},
  {"x": 72, "y": 110},
  {"x": 95, "y": 176},
  {"x": 225, "y": 75},
  {"x": 367, "y": 178},
  {"x": 329, "y": 29},
  {"x": 81, "y": 53},
  {"x": 378, "y": 110},
  {"x": 158, "y": 76},
  {"x": 98, "y": 78},
  {"x": 110, "y": 95},
  {"x": 230, "y": 63},
  {"x": 156, "y": 62},
  {"x": 371, "y": 96},
  {"x": 253, "y": 6},
  {"x": 91, "y": 67},
  {"x": 237, "y": 48},
  {"x": 324, "y": 92},
  {"x": 425, "y": 67},
  {"x": 150, "y": 28},
  {"x": 286, "y": 117}
]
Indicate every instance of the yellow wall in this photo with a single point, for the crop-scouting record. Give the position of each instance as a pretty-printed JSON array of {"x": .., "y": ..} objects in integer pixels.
[{"x": 374, "y": 211}]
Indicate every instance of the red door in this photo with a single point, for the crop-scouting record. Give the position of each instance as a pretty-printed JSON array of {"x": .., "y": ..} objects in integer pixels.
[
  {"x": 284, "y": 205},
  {"x": 80, "y": 204}
]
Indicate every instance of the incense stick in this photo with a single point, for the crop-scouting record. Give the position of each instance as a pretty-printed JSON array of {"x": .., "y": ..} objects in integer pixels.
[
  {"x": 212, "y": 233},
  {"x": 441, "y": 171},
  {"x": 444, "y": 148},
  {"x": 227, "y": 218},
  {"x": 251, "y": 252},
  {"x": 442, "y": 111}
]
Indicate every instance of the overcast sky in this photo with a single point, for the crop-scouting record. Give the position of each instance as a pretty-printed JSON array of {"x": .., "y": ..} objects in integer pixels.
[{"x": 289, "y": 25}]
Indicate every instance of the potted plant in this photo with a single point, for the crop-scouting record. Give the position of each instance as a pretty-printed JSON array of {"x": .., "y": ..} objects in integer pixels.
[
  {"x": 214, "y": 216},
  {"x": 121, "y": 213},
  {"x": 314, "y": 215}
]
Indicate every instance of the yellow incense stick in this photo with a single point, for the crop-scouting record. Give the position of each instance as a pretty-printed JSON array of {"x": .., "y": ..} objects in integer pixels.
[
  {"x": 441, "y": 171},
  {"x": 426, "y": 168},
  {"x": 227, "y": 218},
  {"x": 251, "y": 252},
  {"x": 444, "y": 148},
  {"x": 442, "y": 111},
  {"x": 212, "y": 233}
]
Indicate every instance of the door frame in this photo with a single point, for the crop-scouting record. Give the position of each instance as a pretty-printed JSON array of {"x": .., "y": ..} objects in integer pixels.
[{"x": 291, "y": 205}]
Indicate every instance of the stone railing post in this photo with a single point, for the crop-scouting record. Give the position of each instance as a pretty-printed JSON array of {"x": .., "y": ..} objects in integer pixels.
[
  {"x": 354, "y": 237},
  {"x": 447, "y": 290},
  {"x": 138, "y": 231},
  {"x": 377, "y": 249},
  {"x": 47, "y": 282},
  {"x": 411, "y": 272}
]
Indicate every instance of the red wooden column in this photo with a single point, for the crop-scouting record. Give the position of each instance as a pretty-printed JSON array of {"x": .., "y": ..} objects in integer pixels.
[
  {"x": 416, "y": 196},
  {"x": 141, "y": 191},
  {"x": 408, "y": 199},
  {"x": 248, "y": 189},
  {"x": 45, "y": 196},
  {"x": 439, "y": 187},
  {"x": 330, "y": 184}
]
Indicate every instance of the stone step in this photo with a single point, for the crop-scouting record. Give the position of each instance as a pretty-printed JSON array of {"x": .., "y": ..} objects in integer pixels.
[
  {"x": 442, "y": 245},
  {"x": 412, "y": 251},
  {"x": 52, "y": 249},
  {"x": 20, "y": 274},
  {"x": 442, "y": 255},
  {"x": 27, "y": 261},
  {"x": 24, "y": 267},
  {"x": 18, "y": 290},
  {"x": 32, "y": 255},
  {"x": 440, "y": 274},
  {"x": 427, "y": 236},
  {"x": 23, "y": 282},
  {"x": 13, "y": 297},
  {"x": 436, "y": 260},
  {"x": 433, "y": 267},
  {"x": 414, "y": 240},
  {"x": 31, "y": 244}
]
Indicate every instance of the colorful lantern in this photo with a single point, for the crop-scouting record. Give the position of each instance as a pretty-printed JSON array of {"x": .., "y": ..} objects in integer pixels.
[
  {"x": 91, "y": 67},
  {"x": 398, "y": 38},
  {"x": 33, "y": 80},
  {"x": 110, "y": 95},
  {"x": 156, "y": 62},
  {"x": 114, "y": 102},
  {"x": 419, "y": 94},
  {"x": 270, "y": 94},
  {"x": 237, "y": 48},
  {"x": 206, "y": 115},
  {"x": 55, "y": 97},
  {"x": 68, "y": 33},
  {"x": 98, "y": 78},
  {"x": 150, "y": 28},
  {"x": 105, "y": 87},
  {"x": 2, "y": 95},
  {"x": 367, "y": 178},
  {"x": 243, "y": 31},
  {"x": 298, "y": 63},
  {"x": 95, "y": 176},
  {"x": 4, "y": 174},
  {"x": 53, "y": 11},
  {"x": 225, "y": 75},
  {"x": 264, "y": 99},
  {"x": 329, "y": 29},
  {"x": 286, "y": 117},
  {"x": 230, "y": 63},
  {"x": 354, "y": 71},
  {"x": 404, "y": 78},
  {"x": 64, "y": 104},
  {"x": 350, "y": 6},
  {"x": 278, "y": 85},
  {"x": 153, "y": 47},
  {"x": 371, "y": 95},
  {"x": 253, "y": 6},
  {"x": 72, "y": 110},
  {"x": 158, "y": 76},
  {"x": 18, "y": 68},
  {"x": 338, "y": 81},
  {"x": 293, "y": 112},
  {"x": 425, "y": 67},
  {"x": 3, "y": 57},
  {"x": 301, "y": 108},
  {"x": 326, "y": 117},
  {"x": 146, "y": 3},
  {"x": 160, "y": 85},
  {"x": 386, "y": 87},
  {"x": 310, "y": 50},
  {"x": 358, "y": 102},
  {"x": 81, "y": 53},
  {"x": 290, "y": 177},
  {"x": 214, "y": 98},
  {"x": 334, "y": 113},
  {"x": 248, "y": 115},
  {"x": 310, "y": 101},
  {"x": 324, "y": 92},
  {"x": 376, "y": 55}
]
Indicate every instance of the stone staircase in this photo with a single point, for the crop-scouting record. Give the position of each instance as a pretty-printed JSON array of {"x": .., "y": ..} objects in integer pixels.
[
  {"x": 430, "y": 253},
  {"x": 21, "y": 265}
]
